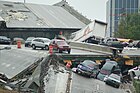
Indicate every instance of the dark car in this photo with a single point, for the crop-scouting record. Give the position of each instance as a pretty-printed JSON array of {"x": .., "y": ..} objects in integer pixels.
[
  {"x": 108, "y": 68},
  {"x": 28, "y": 41},
  {"x": 136, "y": 44},
  {"x": 5, "y": 40},
  {"x": 60, "y": 45},
  {"x": 88, "y": 68},
  {"x": 3, "y": 77},
  {"x": 114, "y": 80},
  {"x": 114, "y": 43}
]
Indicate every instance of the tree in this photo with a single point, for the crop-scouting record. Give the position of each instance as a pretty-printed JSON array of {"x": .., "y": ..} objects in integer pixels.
[{"x": 129, "y": 27}]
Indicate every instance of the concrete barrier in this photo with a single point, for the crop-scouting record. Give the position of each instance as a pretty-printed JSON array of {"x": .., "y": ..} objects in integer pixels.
[{"x": 91, "y": 47}]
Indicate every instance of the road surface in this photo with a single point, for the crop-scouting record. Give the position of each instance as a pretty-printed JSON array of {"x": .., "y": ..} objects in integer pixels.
[{"x": 81, "y": 84}]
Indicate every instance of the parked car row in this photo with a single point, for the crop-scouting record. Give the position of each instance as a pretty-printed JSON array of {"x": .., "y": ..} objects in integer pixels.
[
  {"x": 58, "y": 45},
  {"x": 6, "y": 40}
]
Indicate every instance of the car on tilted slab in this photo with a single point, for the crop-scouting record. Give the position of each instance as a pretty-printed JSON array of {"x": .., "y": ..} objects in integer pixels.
[
  {"x": 60, "y": 45},
  {"x": 5, "y": 40},
  {"x": 16, "y": 39},
  {"x": 28, "y": 41},
  {"x": 88, "y": 68},
  {"x": 40, "y": 43}
]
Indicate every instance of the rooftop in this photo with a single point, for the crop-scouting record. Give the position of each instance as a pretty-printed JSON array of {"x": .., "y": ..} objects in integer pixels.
[{"x": 37, "y": 16}]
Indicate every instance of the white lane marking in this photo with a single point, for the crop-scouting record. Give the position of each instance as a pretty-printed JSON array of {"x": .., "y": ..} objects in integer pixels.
[{"x": 97, "y": 87}]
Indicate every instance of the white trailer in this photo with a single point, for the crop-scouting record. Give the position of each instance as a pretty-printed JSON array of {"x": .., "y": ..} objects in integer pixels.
[{"x": 95, "y": 29}]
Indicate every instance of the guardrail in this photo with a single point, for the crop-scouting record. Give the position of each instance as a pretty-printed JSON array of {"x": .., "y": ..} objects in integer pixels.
[{"x": 91, "y": 47}]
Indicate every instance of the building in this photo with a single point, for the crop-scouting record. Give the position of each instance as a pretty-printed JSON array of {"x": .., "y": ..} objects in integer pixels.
[
  {"x": 24, "y": 20},
  {"x": 117, "y": 9}
]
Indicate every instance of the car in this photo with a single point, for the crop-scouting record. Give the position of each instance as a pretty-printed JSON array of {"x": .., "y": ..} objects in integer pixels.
[
  {"x": 93, "y": 40},
  {"x": 135, "y": 72},
  {"x": 114, "y": 43},
  {"x": 3, "y": 76},
  {"x": 40, "y": 43},
  {"x": 113, "y": 79},
  {"x": 108, "y": 68},
  {"x": 28, "y": 41},
  {"x": 5, "y": 40},
  {"x": 60, "y": 45},
  {"x": 136, "y": 44},
  {"x": 16, "y": 39},
  {"x": 88, "y": 68}
]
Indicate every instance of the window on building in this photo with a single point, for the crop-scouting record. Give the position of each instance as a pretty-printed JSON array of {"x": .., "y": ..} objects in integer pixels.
[
  {"x": 128, "y": 3},
  {"x": 132, "y": 3},
  {"x": 120, "y": 4},
  {"x": 136, "y": 3},
  {"x": 134, "y": 10},
  {"x": 116, "y": 4},
  {"x": 124, "y": 3}
]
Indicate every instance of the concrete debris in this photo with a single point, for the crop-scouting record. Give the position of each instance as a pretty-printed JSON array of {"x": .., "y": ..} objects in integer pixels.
[
  {"x": 52, "y": 79},
  {"x": 14, "y": 15}
]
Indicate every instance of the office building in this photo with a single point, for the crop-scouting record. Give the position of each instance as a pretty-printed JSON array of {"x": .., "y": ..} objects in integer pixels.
[{"x": 117, "y": 9}]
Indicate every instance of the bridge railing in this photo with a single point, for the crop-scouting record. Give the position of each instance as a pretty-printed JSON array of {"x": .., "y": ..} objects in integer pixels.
[{"x": 91, "y": 47}]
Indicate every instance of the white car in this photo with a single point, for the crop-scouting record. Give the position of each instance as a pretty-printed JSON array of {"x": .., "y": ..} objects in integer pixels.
[
  {"x": 113, "y": 80},
  {"x": 40, "y": 43},
  {"x": 135, "y": 72}
]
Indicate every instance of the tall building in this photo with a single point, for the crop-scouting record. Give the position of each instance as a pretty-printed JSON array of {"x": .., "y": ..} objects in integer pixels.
[{"x": 117, "y": 9}]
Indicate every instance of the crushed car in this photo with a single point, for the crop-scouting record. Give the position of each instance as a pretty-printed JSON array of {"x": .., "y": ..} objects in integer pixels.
[{"x": 108, "y": 68}]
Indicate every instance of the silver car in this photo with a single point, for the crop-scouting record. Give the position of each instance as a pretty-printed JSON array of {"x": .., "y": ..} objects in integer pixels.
[
  {"x": 113, "y": 80},
  {"x": 40, "y": 43}
]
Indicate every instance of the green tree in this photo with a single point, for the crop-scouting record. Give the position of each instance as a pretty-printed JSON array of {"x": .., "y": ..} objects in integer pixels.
[{"x": 129, "y": 27}]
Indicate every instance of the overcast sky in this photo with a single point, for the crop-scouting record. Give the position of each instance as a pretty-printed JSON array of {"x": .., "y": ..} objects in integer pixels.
[{"x": 92, "y": 9}]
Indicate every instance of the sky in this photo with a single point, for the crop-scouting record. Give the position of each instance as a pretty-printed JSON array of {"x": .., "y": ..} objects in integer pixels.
[{"x": 92, "y": 9}]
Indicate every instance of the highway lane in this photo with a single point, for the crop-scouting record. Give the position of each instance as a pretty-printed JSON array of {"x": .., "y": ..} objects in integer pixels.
[
  {"x": 80, "y": 84},
  {"x": 126, "y": 51},
  {"x": 14, "y": 61},
  {"x": 39, "y": 50}
]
